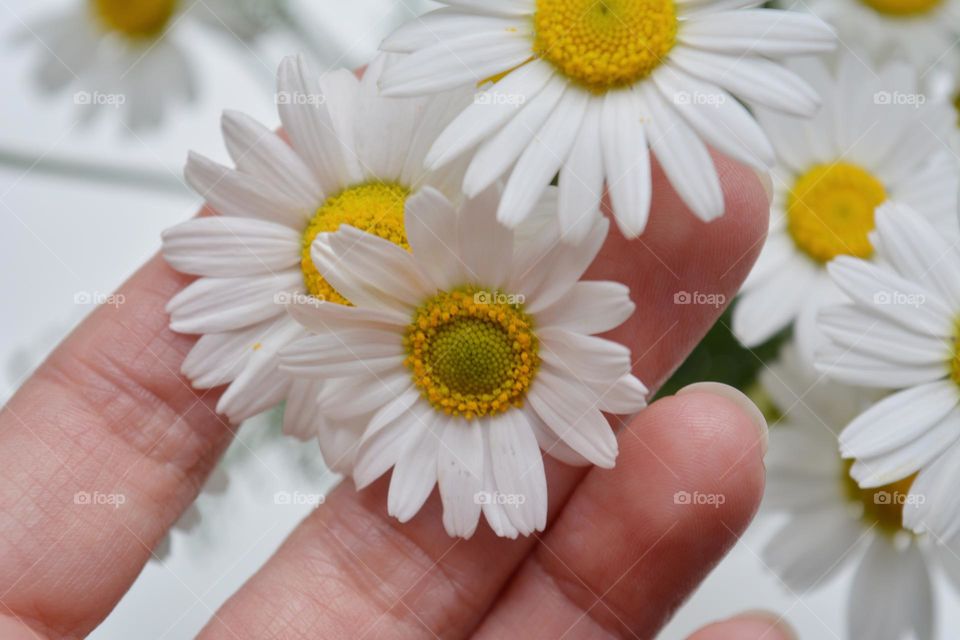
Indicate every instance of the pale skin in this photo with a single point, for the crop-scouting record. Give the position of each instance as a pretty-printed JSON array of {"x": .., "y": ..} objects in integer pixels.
[{"x": 109, "y": 412}]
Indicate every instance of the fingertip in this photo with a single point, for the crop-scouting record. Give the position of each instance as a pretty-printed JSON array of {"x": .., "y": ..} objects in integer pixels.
[{"x": 760, "y": 625}]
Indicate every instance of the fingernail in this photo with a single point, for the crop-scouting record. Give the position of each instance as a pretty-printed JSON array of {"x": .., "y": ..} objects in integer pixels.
[
  {"x": 767, "y": 182},
  {"x": 737, "y": 397},
  {"x": 777, "y": 623}
]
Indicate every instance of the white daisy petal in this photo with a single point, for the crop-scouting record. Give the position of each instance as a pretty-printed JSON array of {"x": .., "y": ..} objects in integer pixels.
[
  {"x": 589, "y": 308},
  {"x": 518, "y": 471},
  {"x": 551, "y": 443},
  {"x": 683, "y": 157},
  {"x": 626, "y": 162},
  {"x": 300, "y": 418},
  {"x": 443, "y": 25},
  {"x": 494, "y": 511},
  {"x": 323, "y": 354},
  {"x": 431, "y": 226},
  {"x": 762, "y": 32},
  {"x": 574, "y": 418},
  {"x": 485, "y": 247},
  {"x": 260, "y": 152},
  {"x": 230, "y": 247},
  {"x": 415, "y": 474},
  {"x": 899, "y": 419},
  {"x": 497, "y": 154},
  {"x": 542, "y": 159},
  {"x": 460, "y": 464},
  {"x": 456, "y": 63},
  {"x": 892, "y": 596},
  {"x": 236, "y": 194},
  {"x": 581, "y": 179},
  {"x": 489, "y": 111},
  {"x": 876, "y": 471},
  {"x": 212, "y": 305},
  {"x": 396, "y": 427}
]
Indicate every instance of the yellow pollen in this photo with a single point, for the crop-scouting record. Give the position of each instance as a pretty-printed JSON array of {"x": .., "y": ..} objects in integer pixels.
[
  {"x": 882, "y": 506},
  {"x": 135, "y": 18},
  {"x": 902, "y": 7},
  {"x": 471, "y": 352},
  {"x": 830, "y": 211},
  {"x": 604, "y": 44},
  {"x": 375, "y": 207}
]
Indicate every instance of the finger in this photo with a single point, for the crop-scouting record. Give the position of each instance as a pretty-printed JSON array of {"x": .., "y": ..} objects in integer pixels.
[
  {"x": 100, "y": 452},
  {"x": 634, "y": 541},
  {"x": 349, "y": 570},
  {"x": 747, "y": 626}
]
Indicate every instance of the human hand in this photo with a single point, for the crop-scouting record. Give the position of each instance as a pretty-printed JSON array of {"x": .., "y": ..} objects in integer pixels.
[{"x": 109, "y": 413}]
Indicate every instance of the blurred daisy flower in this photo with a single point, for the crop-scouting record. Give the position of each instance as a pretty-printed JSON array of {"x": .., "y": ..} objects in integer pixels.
[
  {"x": 125, "y": 54},
  {"x": 900, "y": 331},
  {"x": 876, "y": 140},
  {"x": 352, "y": 158},
  {"x": 585, "y": 87},
  {"x": 924, "y": 32},
  {"x": 832, "y": 524},
  {"x": 464, "y": 358}
]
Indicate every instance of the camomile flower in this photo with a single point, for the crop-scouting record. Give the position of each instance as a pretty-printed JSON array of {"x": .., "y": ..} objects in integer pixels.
[
  {"x": 465, "y": 357},
  {"x": 923, "y": 32},
  {"x": 831, "y": 524},
  {"x": 124, "y": 54},
  {"x": 584, "y": 88},
  {"x": 348, "y": 156},
  {"x": 900, "y": 332},
  {"x": 876, "y": 140}
]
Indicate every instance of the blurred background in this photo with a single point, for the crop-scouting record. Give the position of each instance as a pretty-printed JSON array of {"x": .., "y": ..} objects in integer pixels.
[{"x": 86, "y": 187}]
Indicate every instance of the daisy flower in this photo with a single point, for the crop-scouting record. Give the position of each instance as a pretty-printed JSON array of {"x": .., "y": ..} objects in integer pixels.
[
  {"x": 124, "y": 54},
  {"x": 900, "y": 332},
  {"x": 585, "y": 87},
  {"x": 465, "y": 358},
  {"x": 876, "y": 140},
  {"x": 352, "y": 157},
  {"x": 923, "y": 32},
  {"x": 831, "y": 524}
]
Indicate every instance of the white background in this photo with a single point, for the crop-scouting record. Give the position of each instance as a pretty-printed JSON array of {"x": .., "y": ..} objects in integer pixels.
[{"x": 60, "y": 237}]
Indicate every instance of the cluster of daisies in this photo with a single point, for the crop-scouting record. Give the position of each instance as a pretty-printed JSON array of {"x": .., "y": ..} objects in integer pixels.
[
  {"x": 861, "y": 272},
  {"x": 401, "y": 264},
  {"x": 395, "y": 266}
]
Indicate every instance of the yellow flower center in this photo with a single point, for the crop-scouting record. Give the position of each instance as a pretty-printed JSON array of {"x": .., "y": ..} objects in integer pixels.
[
  {"x": 883, "y": 506},
  {"x": 472, "y": 352},
  {"x": 604, "y": 44},
  {"x": 830, "y": 211},
  {"x": 902, "y": 7},
  {"x": 135, "y": 18},
  {"x": 374, "y": 207}
]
